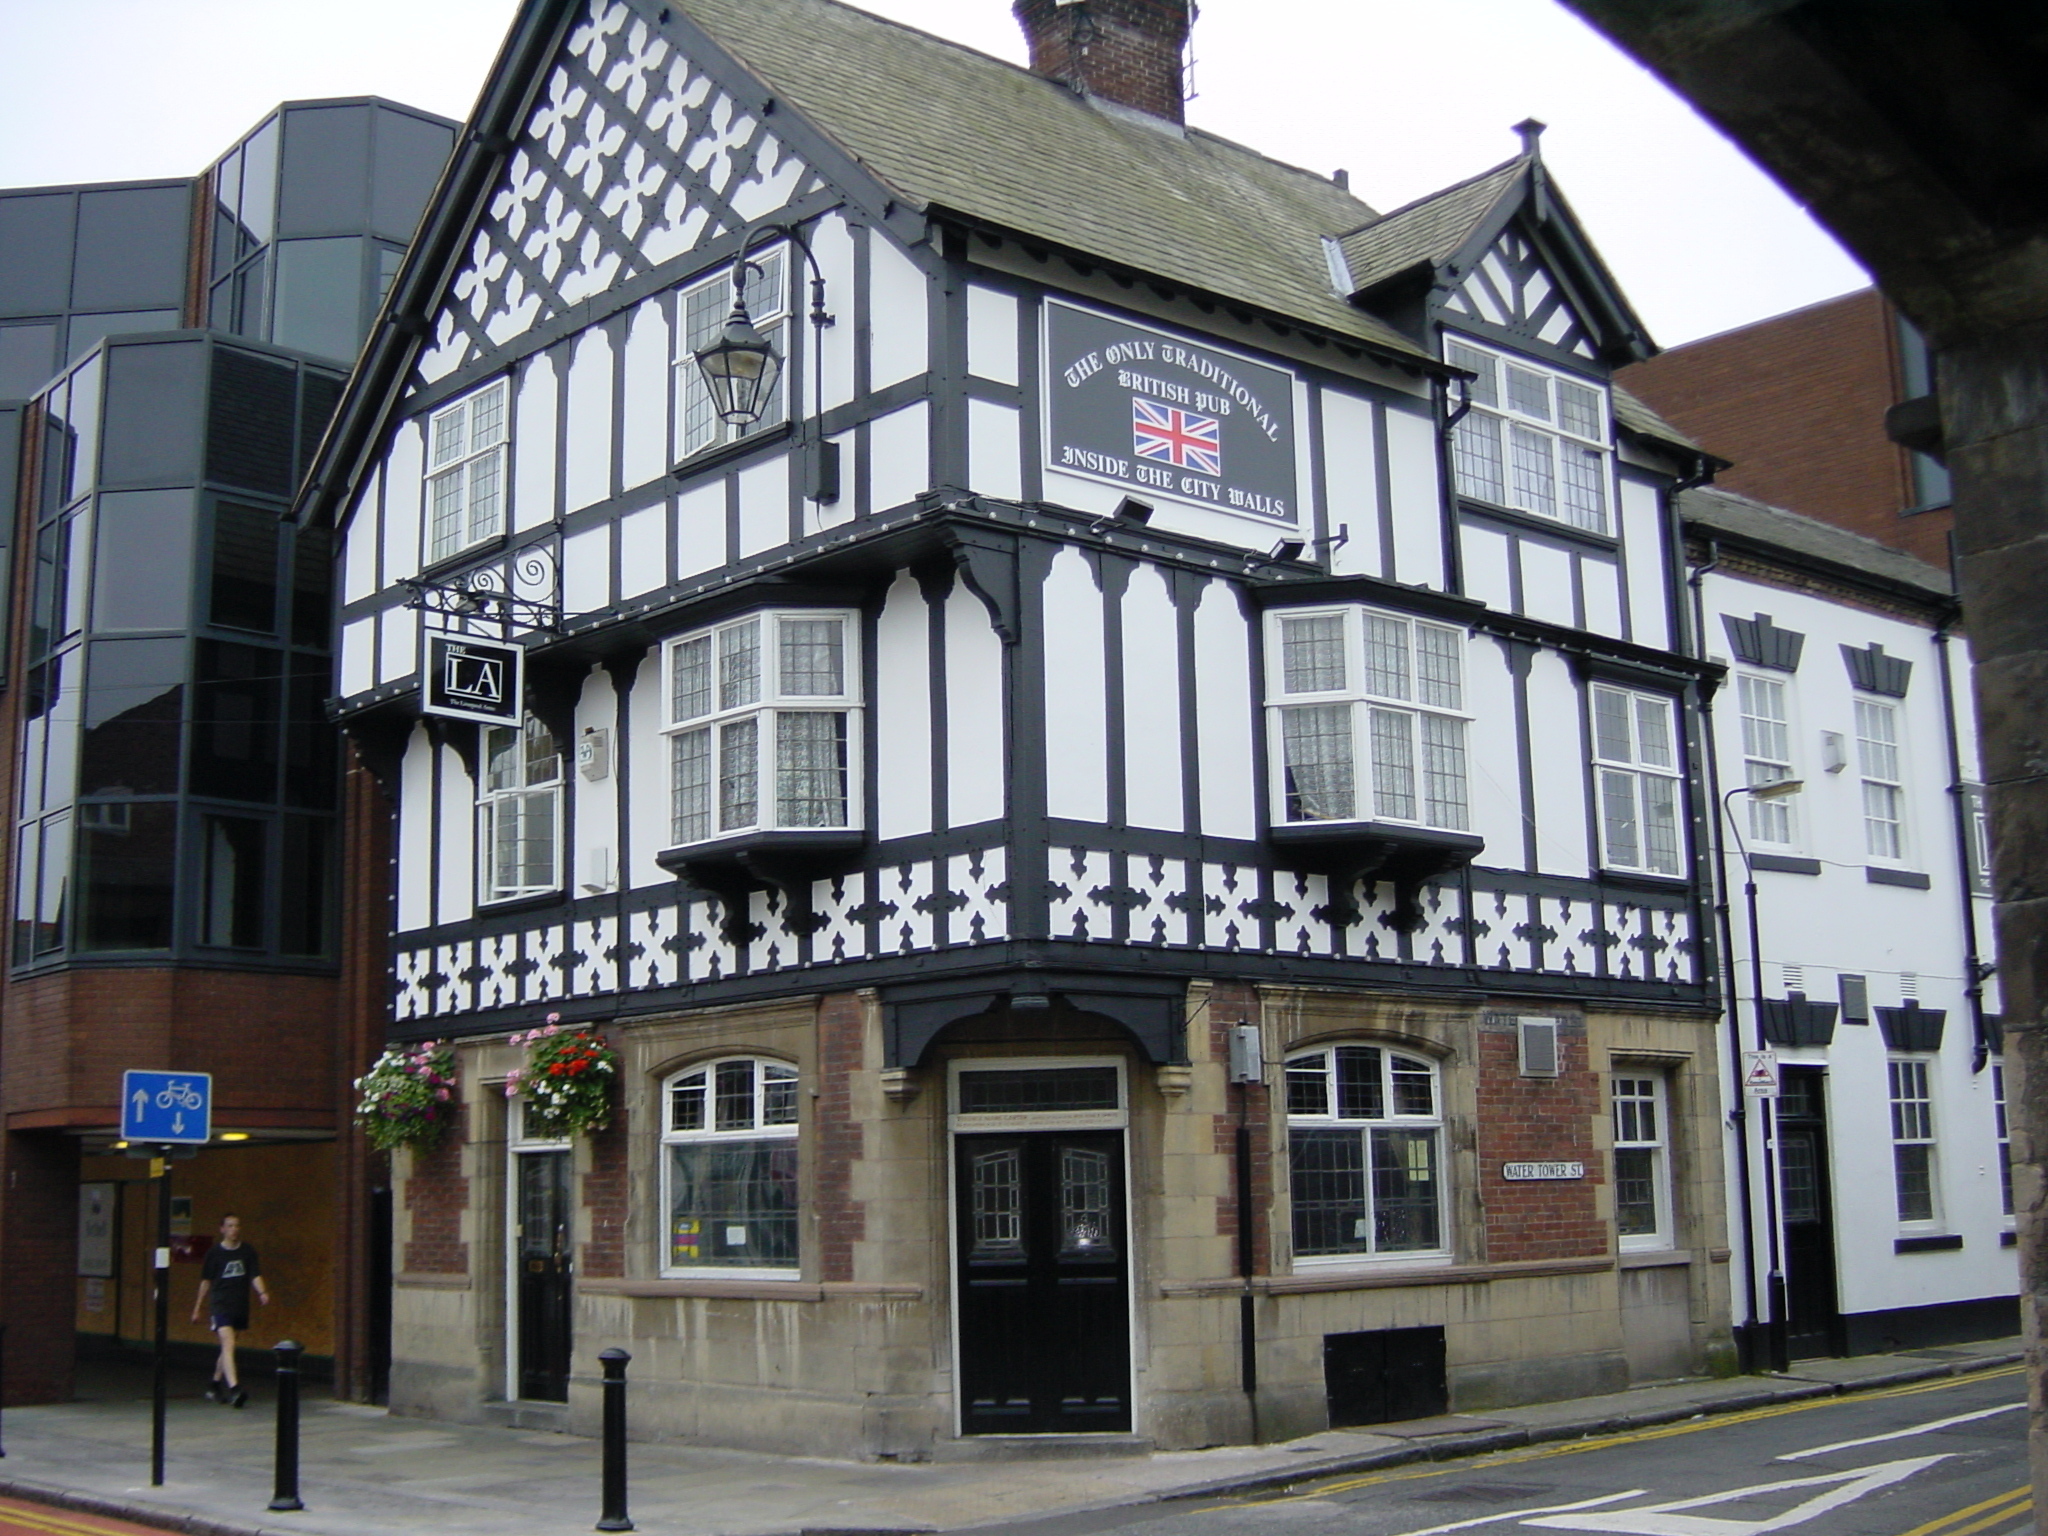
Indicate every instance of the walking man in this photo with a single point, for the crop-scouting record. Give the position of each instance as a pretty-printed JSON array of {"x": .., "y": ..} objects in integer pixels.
[{"x": 231, "y": 1268}]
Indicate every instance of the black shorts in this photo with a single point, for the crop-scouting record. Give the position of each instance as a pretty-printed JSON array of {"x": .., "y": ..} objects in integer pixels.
[{"x": 239, "y": 1321}]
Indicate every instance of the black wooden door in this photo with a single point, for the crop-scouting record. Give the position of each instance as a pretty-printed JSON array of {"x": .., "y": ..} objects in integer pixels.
[
  {"x": 1813, "y": 1322},
  {"x": 545, "y": 1274},
  {"x": 1044, "y": 1270}
]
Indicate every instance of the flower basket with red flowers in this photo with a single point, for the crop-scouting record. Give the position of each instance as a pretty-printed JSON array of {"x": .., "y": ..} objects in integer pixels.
[
  {"x": 567, "y": 1080},
  {"x": 408, "y": 1096}
]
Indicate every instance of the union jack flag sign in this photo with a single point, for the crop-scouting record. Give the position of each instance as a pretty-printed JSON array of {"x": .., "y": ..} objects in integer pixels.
[{"x": 1176, "y": 437}]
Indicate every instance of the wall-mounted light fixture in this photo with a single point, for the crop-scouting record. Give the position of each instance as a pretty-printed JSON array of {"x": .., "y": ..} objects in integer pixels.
[
  {"x": 740, "y": 365},
  {"x": 1280, "y": 554},
  {"x": 1129, "y": 510}
]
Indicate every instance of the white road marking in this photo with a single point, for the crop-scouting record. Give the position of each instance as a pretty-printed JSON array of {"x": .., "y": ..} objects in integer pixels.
[
  {"x": 1901, "y": 1434},
  {"x": 1518, "y": 1514},
  {"x": 1665, "y": 1519}
]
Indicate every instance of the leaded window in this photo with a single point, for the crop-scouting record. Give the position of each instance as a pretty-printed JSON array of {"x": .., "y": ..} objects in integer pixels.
[
  {"x": 763, "y": 726},
  {"x": 466, "y": 471},
  {"x": 2004, "y": 1130},
  {"x": 701, "y": 314},
  {"x": 729, "y": 1167},
  {"x": 1635, "y": 754},
  {"x": 1367, "y": 719},
  {"x": 519, "y": 812},
  {"x": 1534, "y": 439},
  {"x": 1364, "y": 1153}
]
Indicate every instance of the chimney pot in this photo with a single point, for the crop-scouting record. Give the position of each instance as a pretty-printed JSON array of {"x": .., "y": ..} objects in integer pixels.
[{"x": 1130, "y": 52}]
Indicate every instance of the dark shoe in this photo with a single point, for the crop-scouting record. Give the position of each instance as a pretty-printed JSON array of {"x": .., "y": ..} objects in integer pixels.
[
  {"x": 212, "y": 1396},
  {"x": 239, "y": 1398}
]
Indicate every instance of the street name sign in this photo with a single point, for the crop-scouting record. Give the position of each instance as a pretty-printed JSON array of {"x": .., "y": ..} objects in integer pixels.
[{"x": 166, "y": 1106}]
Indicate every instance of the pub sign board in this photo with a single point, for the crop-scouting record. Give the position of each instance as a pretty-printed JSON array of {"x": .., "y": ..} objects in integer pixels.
[
  {"x": 470, "y": 679},
  {"x": 1158, "y": 415}
]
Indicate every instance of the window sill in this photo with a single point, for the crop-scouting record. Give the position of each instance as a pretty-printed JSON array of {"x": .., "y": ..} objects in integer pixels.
[
  {"x": 1654, "y": 1258},
  {"x": 1784, "y": 863},
  {"x": 1641, "y": 880},
  {"x": 1947, "y": 1242},
  {"x": 1421, "y": 1272},
  {"x": 435, "y": 567},
  {"x": 507, "y": 904},
  {"x": 748, "y": 1290},
  {"x": 719, "y": 453},
  {"x": 1536, "y": 522},
  {"x": 1912, "y": 880}
]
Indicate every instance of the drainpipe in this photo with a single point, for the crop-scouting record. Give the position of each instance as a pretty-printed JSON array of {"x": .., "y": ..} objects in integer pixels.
[
  {"x": 1974, "y": 968},
  {"x": 1751, "y": 1344}
]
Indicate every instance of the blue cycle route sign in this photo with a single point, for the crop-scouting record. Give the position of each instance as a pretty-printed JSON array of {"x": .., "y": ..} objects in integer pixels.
[{"x": 166, "y": 1106}]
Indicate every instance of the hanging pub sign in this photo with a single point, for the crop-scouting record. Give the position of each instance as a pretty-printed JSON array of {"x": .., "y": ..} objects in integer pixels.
[
  {"x": 1160, "y": 416},
  {"x": 471, "y": 679}
]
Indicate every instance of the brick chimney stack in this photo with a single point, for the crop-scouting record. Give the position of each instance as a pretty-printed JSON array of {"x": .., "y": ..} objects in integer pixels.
[{"x": 1127, "y": 51}]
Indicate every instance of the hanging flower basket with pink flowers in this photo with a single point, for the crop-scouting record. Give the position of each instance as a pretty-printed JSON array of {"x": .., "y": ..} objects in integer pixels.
[
  {"x": 567, "y": 1080},
  {"x": 408, "y": 1096}
]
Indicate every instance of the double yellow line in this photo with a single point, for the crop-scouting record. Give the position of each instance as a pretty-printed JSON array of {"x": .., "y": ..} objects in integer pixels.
[
  {"x": 2007, "y": 1506},
  {"x": 35, "y": 1517}
]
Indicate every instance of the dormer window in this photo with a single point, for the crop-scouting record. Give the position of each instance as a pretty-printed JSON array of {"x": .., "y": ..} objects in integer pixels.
[{"x": 1535, "y": 440}]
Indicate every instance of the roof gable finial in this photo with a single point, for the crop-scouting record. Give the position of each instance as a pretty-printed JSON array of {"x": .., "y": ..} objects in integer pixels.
[{"x": 1532, "y": 134}]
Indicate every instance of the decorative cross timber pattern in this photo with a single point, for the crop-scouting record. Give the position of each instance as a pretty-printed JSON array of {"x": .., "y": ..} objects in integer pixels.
[
  {"x": 632, "y": 157},
  {"x": 1510, "y": 288}
]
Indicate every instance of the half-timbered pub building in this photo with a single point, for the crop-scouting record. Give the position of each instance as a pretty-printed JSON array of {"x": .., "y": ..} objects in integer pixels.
[{"x": 1104, "y": 728}]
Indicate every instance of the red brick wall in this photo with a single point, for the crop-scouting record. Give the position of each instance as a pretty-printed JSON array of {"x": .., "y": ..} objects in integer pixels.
[
  {"x": 38, "y": 1288},
  {"x": 1798, "y": 402},
  {"x": 842, "y": 1221},
  {"x": 437, "y": 1194},
  {"x": 1128, "y": 51},
  {"x": 1538, "y": 1119},
  {"x": 605, "y": 1186},
  {"x": 1232, "y": 1003}
]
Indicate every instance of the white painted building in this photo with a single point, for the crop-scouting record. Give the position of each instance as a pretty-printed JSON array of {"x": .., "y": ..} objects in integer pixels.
[
  {"x": 1848, "y": 672},
  {"x": 1165, "y": 612}
]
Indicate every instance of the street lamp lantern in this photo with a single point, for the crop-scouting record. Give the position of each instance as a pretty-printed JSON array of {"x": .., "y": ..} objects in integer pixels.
[{"x": 739, "y": 364}]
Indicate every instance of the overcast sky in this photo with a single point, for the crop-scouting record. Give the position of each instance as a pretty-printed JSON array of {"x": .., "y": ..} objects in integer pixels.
[{"x": 1406, "y": 96}]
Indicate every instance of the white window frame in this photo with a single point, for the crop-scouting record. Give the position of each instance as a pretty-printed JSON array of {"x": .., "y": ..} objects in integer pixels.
[
  {"x": 1368, "y": 1128},
  {"x": 1640, "y": 1099},
  {"x": 1509, "y": 446},
  {"x": 518, "y": 810},
  {"x": 773, "y": 1125},
  {"x": 1629, "y": 777},
  {"x": 1764, "y": 704},
  {"x": 1369, "y": 708},
  {"x": 707, "y": 744},
  {"x": 1881, "y": 766},
  {"x": 466, "y": 454},
  {"x": 701, "y": 310},
  {"x": 1910, "y": 1096}
]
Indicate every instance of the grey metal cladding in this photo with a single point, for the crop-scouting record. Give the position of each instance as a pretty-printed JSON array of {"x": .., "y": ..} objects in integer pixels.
[
  {"x": 1874, "y": 672},
  {"x": 1763, "y": 644},
  {"x": 1911, "y": 1027}
]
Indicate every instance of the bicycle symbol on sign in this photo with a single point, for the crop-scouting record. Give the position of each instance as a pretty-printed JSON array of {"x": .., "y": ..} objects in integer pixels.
[{"x": 177, "y": 1095}]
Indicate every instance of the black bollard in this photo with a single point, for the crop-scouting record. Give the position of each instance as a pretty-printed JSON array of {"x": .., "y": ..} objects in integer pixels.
[
  {"x": 614, "y": 1517},
  {"x": 287, "y": 1495},
  {"x": 3, "y": 1373}
]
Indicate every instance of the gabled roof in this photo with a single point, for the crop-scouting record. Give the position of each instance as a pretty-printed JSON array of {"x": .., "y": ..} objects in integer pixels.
[
  {"x": 954, "y": 131},
  {"x": 1429, "y": 231}
]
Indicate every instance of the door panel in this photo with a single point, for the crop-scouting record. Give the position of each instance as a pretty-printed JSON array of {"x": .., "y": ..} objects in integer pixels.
[
  {"x": 1813, "y": 1321},
  {"x": 546, "y": 1274},
  {"x": 1043, "y": 1283}
]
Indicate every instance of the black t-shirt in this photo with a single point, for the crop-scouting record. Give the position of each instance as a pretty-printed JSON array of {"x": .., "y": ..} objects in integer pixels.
[{"x": 230, "y": 1270}]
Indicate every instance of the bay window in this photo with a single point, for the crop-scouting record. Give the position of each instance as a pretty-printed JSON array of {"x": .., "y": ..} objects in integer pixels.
[
  {"x": 763, "y": 725},
  {"x": 1367, "y": 722}
]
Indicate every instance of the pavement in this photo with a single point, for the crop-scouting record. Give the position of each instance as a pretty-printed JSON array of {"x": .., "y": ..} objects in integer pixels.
[{"x": 366, "y": 1472}]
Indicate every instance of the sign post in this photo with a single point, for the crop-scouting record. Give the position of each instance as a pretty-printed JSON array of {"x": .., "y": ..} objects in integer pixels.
[{"x": 170, "y": 1109}]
